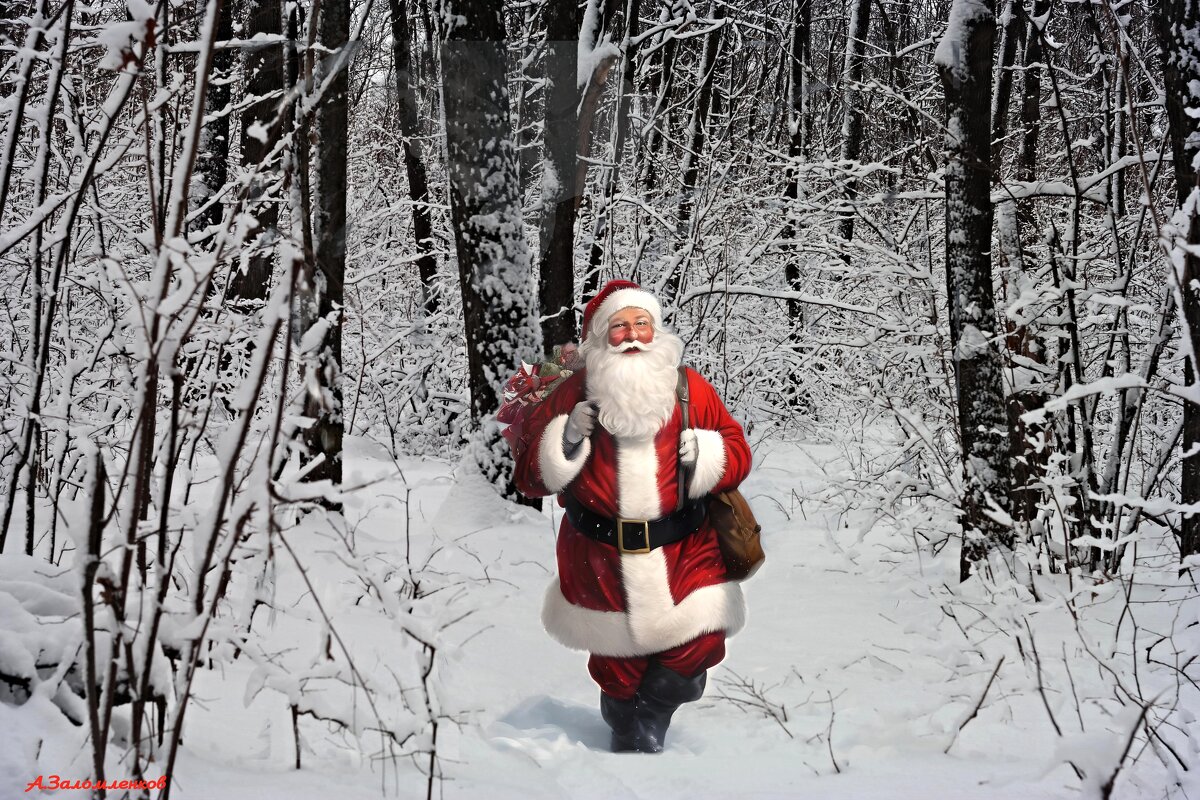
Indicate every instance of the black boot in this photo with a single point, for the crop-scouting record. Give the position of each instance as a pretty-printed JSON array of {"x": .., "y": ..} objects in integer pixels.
[
  {"x": 662, "y": 691},
  {"x": 620, "y": 716}
]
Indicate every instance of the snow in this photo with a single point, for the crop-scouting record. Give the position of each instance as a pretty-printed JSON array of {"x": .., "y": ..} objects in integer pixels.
[
  {"x": 965, "y": 16},
  {"x": 1080, "y": 390},
  {"x": 590, "y": 52},
  {"x": 852, "y": 679}
]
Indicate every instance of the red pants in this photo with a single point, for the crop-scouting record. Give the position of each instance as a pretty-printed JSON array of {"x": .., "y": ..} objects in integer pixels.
[{"x": 620, "y": 677}]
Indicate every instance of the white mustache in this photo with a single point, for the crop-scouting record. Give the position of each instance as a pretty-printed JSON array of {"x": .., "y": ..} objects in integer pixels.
[{"x": 626, "y": 346}]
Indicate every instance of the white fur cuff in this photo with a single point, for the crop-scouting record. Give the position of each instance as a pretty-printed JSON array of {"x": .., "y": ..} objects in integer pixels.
[
  {"x": 710, "y": 463},
  {"x": 558, "y": 470}
]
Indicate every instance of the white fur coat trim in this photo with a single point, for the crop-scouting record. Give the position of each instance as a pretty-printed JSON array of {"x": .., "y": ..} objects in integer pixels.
[
  {"x": 637, "y": 479},
  {"x": 652, "y": 622},
  {"x": 710, "y": 463},
  {"x": 558, "y": 470}
]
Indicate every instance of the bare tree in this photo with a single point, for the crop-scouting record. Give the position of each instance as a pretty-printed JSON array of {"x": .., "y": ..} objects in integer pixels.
[
  {"x": 798, "y": 59},
  {"x": 323, "y": 296},
  {"x": 697, "y": 133},
  {"x": 262, "y": 68},
  {"x": 414, "y": 166},
  {"x": 964, "y": 60},
  {"x": 485, "y": 213},
  {"x": 212, "y": 163},
  {"x": 1177, "y": 24},
  {"x": 627, "y": 90},
  {"x": 852, "y": 120},
  {"x": 556, "y": 274}
]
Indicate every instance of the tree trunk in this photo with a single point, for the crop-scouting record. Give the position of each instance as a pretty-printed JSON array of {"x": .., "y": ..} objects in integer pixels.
[
  {"x": 797, "y": 150},
  {"x": 485, "y": 213},
  {"x": 1029, "y": 459},
  {"x": 414, "y": 167},
  {"x": 324, "y": 296},
  {"x": 212, "y": 162},
  {"x": 964, "y": 60},
  {"x": 661, "y": 83},
  {"x": 797, "y": 146},
  {"x": 1011, "y": 22},
  {"x": 556, "y": 275},
  {"x": 852, "y": 122},
  {"x": 262, "y": 68},
  {"x": 1177, "y": 23},
  {"x": 698, "y": 130},
  {"x": 1031, "y": 102},
  {"x": 627, "y": 90}
]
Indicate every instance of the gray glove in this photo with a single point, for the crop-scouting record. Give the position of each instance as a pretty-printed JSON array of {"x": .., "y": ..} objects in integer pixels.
[
  {"x": 579, "y": 424},
  {"x": 688, "y": 448}
]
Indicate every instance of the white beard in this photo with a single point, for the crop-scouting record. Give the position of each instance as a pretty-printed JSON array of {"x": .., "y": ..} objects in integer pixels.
[{"x": 635, "y": 393}]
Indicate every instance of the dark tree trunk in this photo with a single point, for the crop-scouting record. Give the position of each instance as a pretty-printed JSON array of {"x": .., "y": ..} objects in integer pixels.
[
  {"x": 661, "y": 84},
  {"x": 212, "y": 162},
  {"x": 1031, "y": 100},
  {"x": 1010, "y": 33},
  {"x": 262, "y": 68},
  {"x": 1028, "y": 458},
  {"x": 556, "y": 262},
  {"x": 323, "y": 298},
  {"x": 414, "y": 167},
  {"x": 965, "y": 63},
  {"x": 852, "y": 122},
  {"x": 797, "y": 150},
  {"x": 485, "y": 212},
  {"x": 698, "y": 130},
  {"x": 798, "y": 144},
  {"x": 1177, "y": 23}
]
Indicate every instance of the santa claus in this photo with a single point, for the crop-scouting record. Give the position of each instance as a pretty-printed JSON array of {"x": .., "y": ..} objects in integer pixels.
[{"x": 641, "y": 584}]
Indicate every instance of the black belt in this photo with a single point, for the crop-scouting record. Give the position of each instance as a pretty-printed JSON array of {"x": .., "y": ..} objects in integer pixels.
[{"x": 636, "y": 535}]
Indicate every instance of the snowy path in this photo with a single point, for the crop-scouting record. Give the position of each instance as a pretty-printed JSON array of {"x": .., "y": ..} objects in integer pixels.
[
  {"x": 849, "y": 663},
  {"x": 830, "y": 642}
]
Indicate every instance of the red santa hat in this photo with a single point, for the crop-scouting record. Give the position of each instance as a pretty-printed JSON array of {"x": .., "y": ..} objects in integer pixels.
[{"x": 615, "y": 296}]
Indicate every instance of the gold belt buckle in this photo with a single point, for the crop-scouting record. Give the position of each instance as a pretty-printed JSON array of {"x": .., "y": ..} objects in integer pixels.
[{"x": 645, "y": 523}]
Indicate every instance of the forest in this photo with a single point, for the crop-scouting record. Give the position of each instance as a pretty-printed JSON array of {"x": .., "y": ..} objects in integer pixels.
[{"x": 267, "y": 266}]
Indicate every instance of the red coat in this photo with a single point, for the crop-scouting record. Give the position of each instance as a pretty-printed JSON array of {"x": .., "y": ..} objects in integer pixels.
[{"x": 634, "y": 604}]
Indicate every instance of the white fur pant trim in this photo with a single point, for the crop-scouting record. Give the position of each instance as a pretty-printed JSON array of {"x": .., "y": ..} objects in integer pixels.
[
  {"x": 652, "y": 622},
  {"x": 558, "y": 470},
  {"x": 710, "y": 463}
]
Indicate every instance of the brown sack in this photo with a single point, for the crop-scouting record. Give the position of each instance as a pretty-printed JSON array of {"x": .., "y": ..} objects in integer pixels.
[
  {"x": 729, "y": 513},
  {"x": 737, "y": 533}
]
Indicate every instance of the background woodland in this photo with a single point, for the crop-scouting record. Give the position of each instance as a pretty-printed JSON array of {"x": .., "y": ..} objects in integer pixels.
[{"x": 236, "y": 235}]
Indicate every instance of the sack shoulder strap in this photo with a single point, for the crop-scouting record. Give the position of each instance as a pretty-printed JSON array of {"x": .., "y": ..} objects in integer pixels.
[{"x": 681, "y": 391}]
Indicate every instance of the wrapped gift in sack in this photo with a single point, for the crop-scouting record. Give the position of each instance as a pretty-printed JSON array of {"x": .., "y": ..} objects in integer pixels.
[{"x": 531, "y": 385}]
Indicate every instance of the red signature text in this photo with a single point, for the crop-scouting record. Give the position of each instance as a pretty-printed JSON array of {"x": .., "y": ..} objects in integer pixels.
[{"x": 55, "y": 783}]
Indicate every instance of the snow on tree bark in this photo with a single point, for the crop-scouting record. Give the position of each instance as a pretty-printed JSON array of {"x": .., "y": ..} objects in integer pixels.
[
  {"x": 262, "y": 68},
  {"x": 1177, "y": 24},
  {"x": 852, "y": 121},
  {"x": 322, "y": 301},
  {"x": 797, "y": 144},
  {"x": 212, "y": 165},
  {"x": 964, "y": 60},
  {"x": 494, "y": 270}
]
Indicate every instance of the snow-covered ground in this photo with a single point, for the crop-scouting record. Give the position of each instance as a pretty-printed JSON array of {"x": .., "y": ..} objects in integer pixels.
[{"x": 859, "y": 665}]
